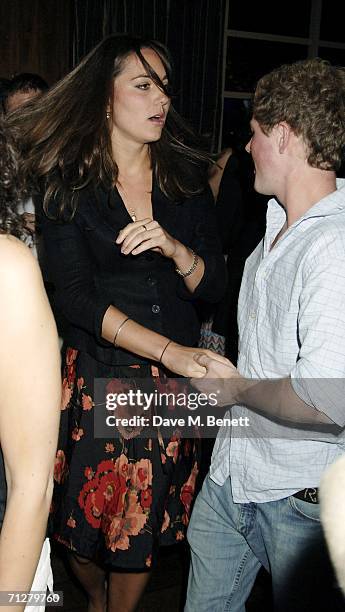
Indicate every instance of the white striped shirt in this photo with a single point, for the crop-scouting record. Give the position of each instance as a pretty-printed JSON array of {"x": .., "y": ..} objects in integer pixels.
[{"x": 291, "y": 315}]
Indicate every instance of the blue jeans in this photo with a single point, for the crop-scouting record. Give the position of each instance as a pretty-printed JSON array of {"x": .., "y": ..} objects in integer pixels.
[{"x": 230, "y": 542}]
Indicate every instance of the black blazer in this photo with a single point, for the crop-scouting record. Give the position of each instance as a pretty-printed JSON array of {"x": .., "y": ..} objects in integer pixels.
[{"x": 90, "y": 273}]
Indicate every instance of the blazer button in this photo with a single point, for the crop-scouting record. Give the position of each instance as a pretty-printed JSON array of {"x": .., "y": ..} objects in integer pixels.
[{"x": 155, "y": 308}]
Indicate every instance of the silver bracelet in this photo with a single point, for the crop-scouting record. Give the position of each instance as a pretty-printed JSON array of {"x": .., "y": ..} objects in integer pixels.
[{"x": 191, "y": 269}]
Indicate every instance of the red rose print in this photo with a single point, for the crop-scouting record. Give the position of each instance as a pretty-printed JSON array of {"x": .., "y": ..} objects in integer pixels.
[
  {"x": 109, "y": 447},
  {"x": 110, "y": 500},
  {"x": 89, "y": 473},
  {"x": 60, "y": 467},
  {"x": 77, "y": 434},
  {"x": 66, "y": 393},
  {"x": 86, "y": 401},
  {"x": 166, "y": 522},
  {"x": 146, "y": 498},
  {"x": 187, "y": 492}
]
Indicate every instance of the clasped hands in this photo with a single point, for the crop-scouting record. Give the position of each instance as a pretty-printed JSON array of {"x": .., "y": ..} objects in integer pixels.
[
  {"x": 145, "y": 235},
  {"x": 221, "y": 377}
]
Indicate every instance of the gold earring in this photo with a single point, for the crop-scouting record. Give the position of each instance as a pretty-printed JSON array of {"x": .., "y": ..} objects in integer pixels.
[{"x": 107, "y": 114}]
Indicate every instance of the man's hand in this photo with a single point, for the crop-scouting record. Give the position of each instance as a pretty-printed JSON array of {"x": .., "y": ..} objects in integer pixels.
[
  {"x": 221, "y": 377},
  {"x": 216, "y": 368}
]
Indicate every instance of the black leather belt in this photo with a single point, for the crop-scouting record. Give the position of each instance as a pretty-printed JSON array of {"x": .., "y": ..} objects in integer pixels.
[{"x": 308, "y": 495}]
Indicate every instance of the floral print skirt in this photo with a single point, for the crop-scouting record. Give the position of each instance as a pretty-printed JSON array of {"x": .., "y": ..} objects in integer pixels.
[{"x": 116, "y": 499}]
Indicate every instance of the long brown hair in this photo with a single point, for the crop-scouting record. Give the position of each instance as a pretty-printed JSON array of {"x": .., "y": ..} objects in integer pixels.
[{"x": 65, "y": 138}]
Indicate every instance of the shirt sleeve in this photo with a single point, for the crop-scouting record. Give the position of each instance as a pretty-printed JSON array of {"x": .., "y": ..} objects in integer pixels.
[
  {"x": 70, "y": 269},
  {"x": 319, "y": 375},
  {"x": 207, "y": 244}
]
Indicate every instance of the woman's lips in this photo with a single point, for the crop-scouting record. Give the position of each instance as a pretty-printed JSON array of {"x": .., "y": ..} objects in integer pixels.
[{"x": 157, "y": 119}]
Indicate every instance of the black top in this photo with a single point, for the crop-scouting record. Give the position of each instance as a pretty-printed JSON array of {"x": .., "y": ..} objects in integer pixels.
[
  {"x": 90, "y": 273},
  {"x": 229, "y": 205}
]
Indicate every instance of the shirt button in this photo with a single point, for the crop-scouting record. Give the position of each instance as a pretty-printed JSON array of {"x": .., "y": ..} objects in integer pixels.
[
  {"x": 155, "y": 308},
  {"x": 253, "y": 315},
  {"x": 151, "y": 280}
]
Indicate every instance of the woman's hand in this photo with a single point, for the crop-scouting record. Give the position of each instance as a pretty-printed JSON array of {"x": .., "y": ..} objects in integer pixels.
[
  {"x": 146, "y": 235},
  {"x": 180, "y": 360}
]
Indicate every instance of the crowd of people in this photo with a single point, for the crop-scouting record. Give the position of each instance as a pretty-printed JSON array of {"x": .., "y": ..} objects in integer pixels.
[{"x": 136, "y": 226}]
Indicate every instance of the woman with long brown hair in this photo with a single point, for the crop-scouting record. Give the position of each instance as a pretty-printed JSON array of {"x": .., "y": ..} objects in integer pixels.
[{"x": 131, "y": 240}]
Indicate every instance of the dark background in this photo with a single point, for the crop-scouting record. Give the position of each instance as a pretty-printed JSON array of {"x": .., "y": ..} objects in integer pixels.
[
  {"x": 220, "y": 47},
  {"x": 50, "y": 36}
]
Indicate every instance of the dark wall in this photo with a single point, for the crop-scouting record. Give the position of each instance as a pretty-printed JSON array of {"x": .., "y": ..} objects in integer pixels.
[
  {"x": 50, "y": 36},
  {"x": 35, "y": 36}
]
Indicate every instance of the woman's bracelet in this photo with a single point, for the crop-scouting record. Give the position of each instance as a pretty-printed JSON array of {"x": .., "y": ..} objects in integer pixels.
[
  {"x": 191, "y": 269},
  {"x": 119, "y": 329},
  {"x": 163, "y": 351}
]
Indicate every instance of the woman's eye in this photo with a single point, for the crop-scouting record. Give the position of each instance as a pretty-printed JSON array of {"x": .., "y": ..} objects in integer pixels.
[{"x": 143, "y": 86}]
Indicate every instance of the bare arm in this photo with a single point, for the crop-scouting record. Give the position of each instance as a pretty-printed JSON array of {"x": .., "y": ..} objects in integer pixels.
[
  {"x": 29, "y": 412},
  {"x": 273, "y": 398},
  {"x": 150, "y": 345}
]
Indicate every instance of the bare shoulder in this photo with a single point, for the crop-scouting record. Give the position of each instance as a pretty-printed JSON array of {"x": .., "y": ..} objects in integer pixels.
[
  {"x": 23, "y": 297},
  {"x": 18, "y": 267}
]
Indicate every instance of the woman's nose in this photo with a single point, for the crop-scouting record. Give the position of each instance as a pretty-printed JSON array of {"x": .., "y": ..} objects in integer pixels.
[{"x": 162, "y": 97}]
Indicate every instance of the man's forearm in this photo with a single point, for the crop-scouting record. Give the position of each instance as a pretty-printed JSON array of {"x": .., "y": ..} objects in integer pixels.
[{"x": 276, "y": 398}]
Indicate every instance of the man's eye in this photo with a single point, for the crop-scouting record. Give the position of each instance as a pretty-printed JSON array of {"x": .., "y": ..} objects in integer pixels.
[{"x": 143, "y": 86}]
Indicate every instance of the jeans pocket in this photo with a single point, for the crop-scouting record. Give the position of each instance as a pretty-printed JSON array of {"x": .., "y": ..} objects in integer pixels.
[{"x": 305, "y": 509}]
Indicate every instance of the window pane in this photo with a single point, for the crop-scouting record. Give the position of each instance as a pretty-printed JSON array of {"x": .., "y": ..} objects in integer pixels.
[
  {"x": 290, "y": 19},
  {"x": 332, "y": 27},
  {"x": 335, "y": 56},
  {"x": 247, "y": 60}
]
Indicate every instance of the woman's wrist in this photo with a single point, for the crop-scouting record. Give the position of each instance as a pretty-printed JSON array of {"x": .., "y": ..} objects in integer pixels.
[
  {"x": 164, "y": 356},
  {"x": 184, "y": 259},
  {"x": 193, "y": 267}
]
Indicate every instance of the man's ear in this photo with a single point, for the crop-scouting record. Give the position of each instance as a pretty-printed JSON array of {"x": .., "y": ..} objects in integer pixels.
[{"x": 283, "y": 135}]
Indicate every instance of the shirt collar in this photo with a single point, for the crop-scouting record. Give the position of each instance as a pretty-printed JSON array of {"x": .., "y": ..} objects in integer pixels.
[{"x": 330, "y": 205}]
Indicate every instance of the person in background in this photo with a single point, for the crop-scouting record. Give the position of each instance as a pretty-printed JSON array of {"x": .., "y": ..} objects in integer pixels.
[
  {"x": 130, "y": 234},
  {"x": 4, "y": 83},
  {"x": 259, "y": 503},
  {"x": 22, "y": 88},
  {"x": 29, "y": 398},
  {"x": 332, "y": 512},
  {"x": 224, "y": 180}
]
